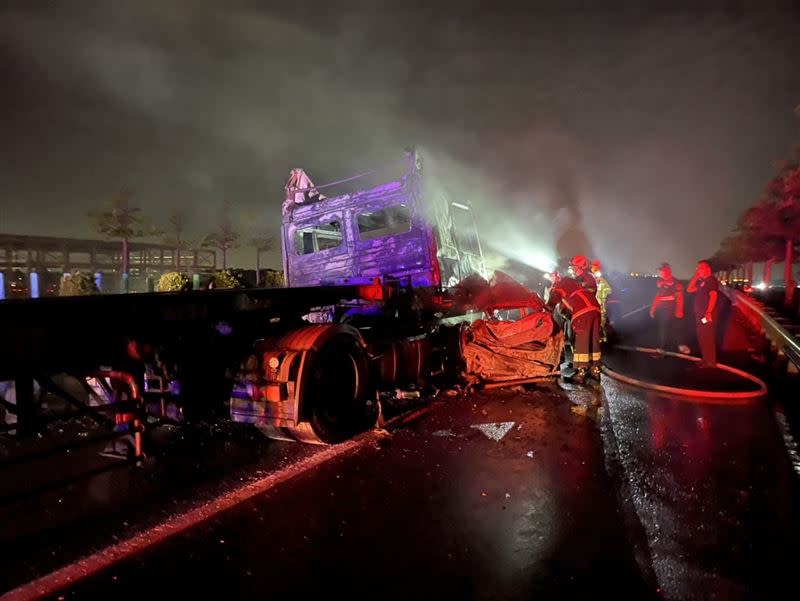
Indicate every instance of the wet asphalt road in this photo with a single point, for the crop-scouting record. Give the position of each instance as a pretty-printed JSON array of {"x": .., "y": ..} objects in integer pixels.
[
  {"x": 592, "y": 491},
  {"x": 646, "y": 497},
  {"x": 439, "y": 509},
  {"x": 42, "y": 532}
]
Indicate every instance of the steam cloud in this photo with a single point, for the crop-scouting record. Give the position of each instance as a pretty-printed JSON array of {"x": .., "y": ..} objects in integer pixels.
[{"x": 635, "y": 139}]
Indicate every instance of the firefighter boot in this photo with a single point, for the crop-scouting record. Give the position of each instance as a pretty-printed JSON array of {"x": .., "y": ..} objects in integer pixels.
[
  {"x": 579, "y": 377},
  {"x": 594, "y": 372}
]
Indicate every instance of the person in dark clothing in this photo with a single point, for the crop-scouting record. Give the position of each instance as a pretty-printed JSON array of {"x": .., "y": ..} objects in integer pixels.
[
  {"x": 705, "y": 288},
  {"x": 667, "y": 307},
  {"x": 570, "y": 297}
]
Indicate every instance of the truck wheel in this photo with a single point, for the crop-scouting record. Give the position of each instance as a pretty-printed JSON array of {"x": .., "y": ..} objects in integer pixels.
[{"x": 336, "y": 391}]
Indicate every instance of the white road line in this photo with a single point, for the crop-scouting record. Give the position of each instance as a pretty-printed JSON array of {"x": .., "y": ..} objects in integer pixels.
[{"x": 92, "y": 564}]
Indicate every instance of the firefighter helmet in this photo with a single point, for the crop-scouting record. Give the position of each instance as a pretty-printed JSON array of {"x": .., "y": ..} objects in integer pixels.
[
  {"x": 580, "y": 262},
  {"x": 596, "y": 265}
]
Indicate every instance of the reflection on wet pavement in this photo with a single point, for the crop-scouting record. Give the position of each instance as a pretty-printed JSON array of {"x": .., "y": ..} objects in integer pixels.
[
  {"x": 556, "y": 491},
  {"x": 711, "y": 486},
  {"x": 441, "y": 510}
]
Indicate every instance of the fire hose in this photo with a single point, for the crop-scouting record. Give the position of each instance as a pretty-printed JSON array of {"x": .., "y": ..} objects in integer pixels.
[{"x": 711, "y": 395}]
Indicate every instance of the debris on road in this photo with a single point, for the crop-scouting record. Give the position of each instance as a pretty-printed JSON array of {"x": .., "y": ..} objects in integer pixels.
[
  {"x": 530, "y": 454},
  {"x": 444, "y": 434}
]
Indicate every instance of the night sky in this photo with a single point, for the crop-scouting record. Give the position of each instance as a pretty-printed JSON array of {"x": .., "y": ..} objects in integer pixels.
[{"x": 639, "y": 135}]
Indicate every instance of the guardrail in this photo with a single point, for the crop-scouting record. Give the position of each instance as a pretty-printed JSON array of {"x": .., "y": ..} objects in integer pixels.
[{"x": 756, "y": 313}]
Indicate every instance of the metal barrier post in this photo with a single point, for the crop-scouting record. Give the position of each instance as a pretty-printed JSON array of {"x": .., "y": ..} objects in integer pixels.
[{"x": 34, "y": 277}]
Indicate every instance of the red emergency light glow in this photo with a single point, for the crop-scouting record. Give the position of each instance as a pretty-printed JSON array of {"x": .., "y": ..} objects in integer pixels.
[{"x": 373, "y": 292}]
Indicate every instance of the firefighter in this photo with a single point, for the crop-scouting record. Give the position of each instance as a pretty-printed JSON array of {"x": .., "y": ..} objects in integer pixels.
[
  {"x": 581, "y": 304},
  {"x": 579, "y": 267},
  {"x": 705, "y": 288},
  {"x": 560, "y": 316},
  {"x": 667, "y": 307},
  {"x": 603, "y": 290}
]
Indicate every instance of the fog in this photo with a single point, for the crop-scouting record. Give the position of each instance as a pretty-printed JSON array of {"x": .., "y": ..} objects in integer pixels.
[{"x": 636, "y": 138}]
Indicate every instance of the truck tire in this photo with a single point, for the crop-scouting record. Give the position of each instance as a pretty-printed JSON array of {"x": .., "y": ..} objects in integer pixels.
[{"x": 336, "y": 390}]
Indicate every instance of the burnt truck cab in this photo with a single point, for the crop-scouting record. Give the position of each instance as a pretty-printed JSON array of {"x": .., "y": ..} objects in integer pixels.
[
  {"x": 321, "y": 378},
  {"x": 404, "y": 230}
]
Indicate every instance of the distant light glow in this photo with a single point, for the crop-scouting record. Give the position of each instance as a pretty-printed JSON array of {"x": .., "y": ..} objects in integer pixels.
[
  {"x": 761, "y": 285},
  {"x": 539, "y": 260}
]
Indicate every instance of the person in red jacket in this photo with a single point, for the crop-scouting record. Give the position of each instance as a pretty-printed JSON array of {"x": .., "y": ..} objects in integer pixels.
[
  {"x": 569, "y": 296},
  {"x": 667, "y": 307}
]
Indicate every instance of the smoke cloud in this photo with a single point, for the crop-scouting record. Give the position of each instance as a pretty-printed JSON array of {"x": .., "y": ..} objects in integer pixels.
[{"x": 635, "y": 138}]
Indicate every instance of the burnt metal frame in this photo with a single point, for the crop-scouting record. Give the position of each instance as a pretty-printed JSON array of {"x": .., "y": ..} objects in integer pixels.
[{"x": 130, "y": 412}]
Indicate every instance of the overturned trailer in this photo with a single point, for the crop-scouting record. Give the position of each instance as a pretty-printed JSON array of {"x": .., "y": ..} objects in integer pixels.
[{"x": 370, "y": 306}]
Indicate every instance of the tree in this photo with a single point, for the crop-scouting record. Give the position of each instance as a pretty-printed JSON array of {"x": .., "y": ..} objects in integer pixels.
[
  {"x": 274, "y": 279},
  {"x": 770, "y": 230},
  {"x": 262, "y": 242},
  {"x": 781, "y": 219},
  {"x": 758, "y": 244},
  {"x": 729, "y": 256},
  {"x": 77, "y": 283},
  {"x": 122, "y": 221},
  {"x": 173, "y": 282},
  {"x": 229, "y": 278},
  {"x": 175, "y": 234},
  {"x": 225, "y": 237}
]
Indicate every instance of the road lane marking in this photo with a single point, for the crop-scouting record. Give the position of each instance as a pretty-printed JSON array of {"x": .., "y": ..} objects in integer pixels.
[
  {"x": 495, "y": 431},
  {"x": 95, "y": 563}
]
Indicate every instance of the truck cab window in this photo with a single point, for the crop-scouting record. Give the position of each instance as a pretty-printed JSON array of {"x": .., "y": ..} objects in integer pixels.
[
  {"x": 318, "y": 237},
  {"x": 384, "y": 222}
]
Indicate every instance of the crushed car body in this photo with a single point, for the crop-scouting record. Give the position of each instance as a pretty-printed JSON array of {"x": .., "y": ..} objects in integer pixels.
[{"x": 518, "y": 339}]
